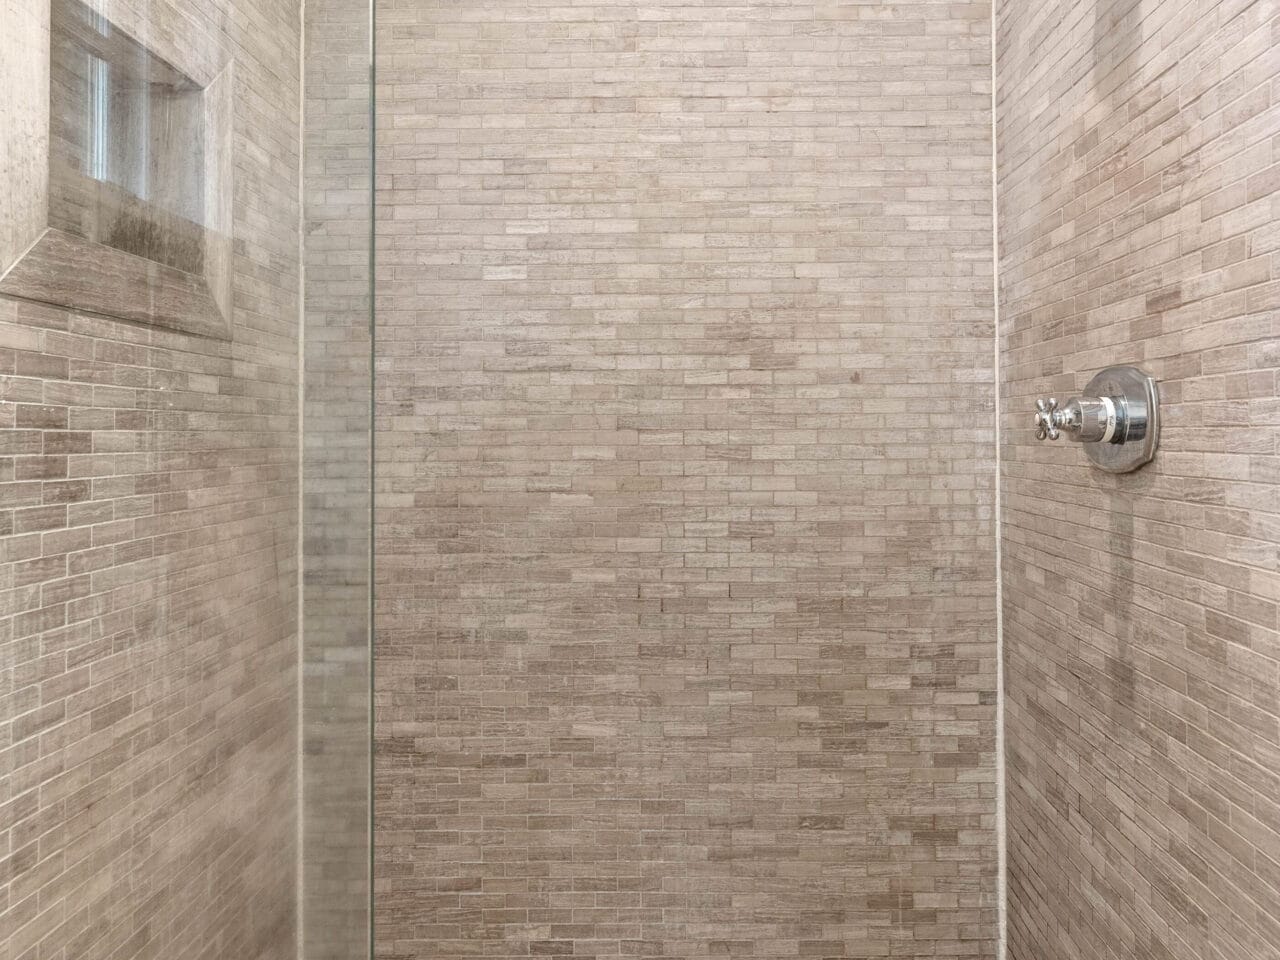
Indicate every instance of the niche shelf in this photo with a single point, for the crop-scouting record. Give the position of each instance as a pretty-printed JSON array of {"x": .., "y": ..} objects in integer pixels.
[{"x": 119, "y": 180}]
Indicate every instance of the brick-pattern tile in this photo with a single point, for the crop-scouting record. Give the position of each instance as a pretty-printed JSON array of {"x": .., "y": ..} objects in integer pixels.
[
  {"x": 685, "y": 474},
  {"x": 148, "y": 542},
  {"x": 1140, "y": 223},
  {"x": 336, "y": 485}
]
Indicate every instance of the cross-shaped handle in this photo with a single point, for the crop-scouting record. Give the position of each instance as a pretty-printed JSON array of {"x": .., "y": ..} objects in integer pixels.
[{"x": 1047, "y": 419}]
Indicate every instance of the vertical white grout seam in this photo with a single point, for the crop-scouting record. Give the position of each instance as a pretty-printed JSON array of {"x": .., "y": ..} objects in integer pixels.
[{"x": 300, "y": 565}]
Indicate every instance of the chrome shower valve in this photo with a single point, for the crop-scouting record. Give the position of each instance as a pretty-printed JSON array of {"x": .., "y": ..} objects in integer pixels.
[
  {"x": 1116, "y": 419},
  {"x": 1087, "y": 419}
]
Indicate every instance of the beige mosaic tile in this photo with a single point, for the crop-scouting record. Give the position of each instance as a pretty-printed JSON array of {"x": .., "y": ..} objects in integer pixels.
[
  {"x": 685, "y": 481},
  {"x": 336, "y": 705},
  {"x": 1139, "y": 223},
  {"x": 148, "y": 569}
]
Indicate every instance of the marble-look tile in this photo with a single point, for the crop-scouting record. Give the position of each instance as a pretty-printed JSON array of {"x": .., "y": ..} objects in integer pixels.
[
  {"x": 148, "y": 568},
  {"x": 1139, "y": 224},
  {"x": 685, "y": 478}
]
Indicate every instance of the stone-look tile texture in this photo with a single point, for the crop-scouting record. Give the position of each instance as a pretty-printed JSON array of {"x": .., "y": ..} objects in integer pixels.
[
  {"x": 685, "y": 456},
  {"x": 1140, "y": 222},
  {"x": 149, "y": 574},
  {"x": 336, "y": 707}
]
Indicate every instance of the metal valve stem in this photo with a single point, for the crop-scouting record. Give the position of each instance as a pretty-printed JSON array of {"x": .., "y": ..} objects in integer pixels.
[{"x": 1085, "y": 419}]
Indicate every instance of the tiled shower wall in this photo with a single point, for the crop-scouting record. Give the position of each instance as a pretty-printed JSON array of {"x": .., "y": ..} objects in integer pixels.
[
  {"x": 1140, "y": 223},
  {"x": 685, "y": 480},
  {"x": 149, "y": 537},
  {"x": 336, "y": 712}
]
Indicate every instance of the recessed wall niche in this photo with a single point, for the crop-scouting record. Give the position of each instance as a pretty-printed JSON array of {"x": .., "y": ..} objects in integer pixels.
[{"x": 120, "y": 177}]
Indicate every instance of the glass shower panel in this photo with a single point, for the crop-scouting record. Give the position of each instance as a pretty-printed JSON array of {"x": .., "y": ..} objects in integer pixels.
[{"x": 336, "y": 649}]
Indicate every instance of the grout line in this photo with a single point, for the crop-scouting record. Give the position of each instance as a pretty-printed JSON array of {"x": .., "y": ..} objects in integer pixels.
[
  {"x": 1002, "y": 846},
  {"x": 370, "y": 619}
]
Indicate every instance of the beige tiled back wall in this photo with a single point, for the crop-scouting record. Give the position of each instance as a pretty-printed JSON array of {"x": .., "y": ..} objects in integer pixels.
[
  {"x": 685, "y": 480},
  {"x": 1140, "y": 223}
]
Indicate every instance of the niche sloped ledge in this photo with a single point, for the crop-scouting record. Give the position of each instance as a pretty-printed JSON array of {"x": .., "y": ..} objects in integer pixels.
[{"x": 69, "y": 271}]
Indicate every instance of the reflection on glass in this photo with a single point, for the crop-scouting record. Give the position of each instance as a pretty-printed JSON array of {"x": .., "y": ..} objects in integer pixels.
[
  {"x": 99, "y": 81},
  {"x": 127, "y": 143}
]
